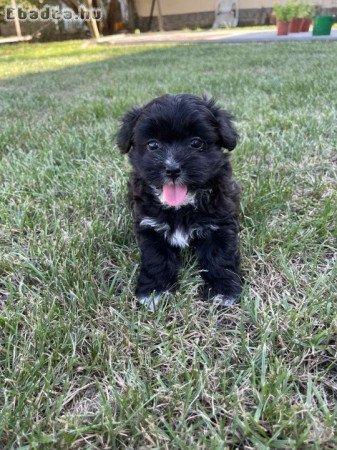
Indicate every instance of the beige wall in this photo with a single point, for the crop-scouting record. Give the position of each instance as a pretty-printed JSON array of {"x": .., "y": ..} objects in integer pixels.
[{"x": 170, "y": 7}]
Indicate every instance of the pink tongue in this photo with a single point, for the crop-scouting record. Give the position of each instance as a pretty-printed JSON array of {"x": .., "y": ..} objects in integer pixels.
[{"x": 175, "y": 194}]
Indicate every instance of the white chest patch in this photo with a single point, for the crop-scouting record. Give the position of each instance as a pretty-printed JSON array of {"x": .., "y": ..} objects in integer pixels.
[{"x": 178, "y": 237}]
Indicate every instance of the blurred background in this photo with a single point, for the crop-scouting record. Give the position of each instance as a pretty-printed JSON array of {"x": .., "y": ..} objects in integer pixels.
[{"x": 139, "y": 16}]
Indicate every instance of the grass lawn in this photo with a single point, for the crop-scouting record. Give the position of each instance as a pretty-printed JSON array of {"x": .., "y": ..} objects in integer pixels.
[{"x": 81, "y": 366}]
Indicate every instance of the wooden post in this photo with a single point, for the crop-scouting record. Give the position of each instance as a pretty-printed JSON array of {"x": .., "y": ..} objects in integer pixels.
[
  {"x": 160, "y": 16},
  {"x": 111, "y": 19},
  {"x": 16, "y": 20},
  {"x": 131, "y": 9},
  {"x": 151, "y": 15},
  {"x": 91, "y": 22}
]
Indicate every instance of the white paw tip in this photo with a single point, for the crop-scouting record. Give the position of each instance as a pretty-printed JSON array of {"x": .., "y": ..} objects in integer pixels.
[
  {"x": 150, "y": 302},
  {"x": 223, "y": 300}
]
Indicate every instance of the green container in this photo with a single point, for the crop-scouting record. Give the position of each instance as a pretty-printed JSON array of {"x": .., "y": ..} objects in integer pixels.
[{"x": 322, "y": 25}]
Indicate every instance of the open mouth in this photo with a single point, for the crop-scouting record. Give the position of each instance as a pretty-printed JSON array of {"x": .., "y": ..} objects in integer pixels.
[{"x": 174, "y": 194}]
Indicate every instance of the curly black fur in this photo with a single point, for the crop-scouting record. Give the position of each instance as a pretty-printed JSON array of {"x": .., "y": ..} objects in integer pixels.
[{"x": 208, "y": 220}]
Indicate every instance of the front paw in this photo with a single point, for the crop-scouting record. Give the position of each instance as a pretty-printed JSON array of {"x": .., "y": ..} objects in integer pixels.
[
  {"x": 224, "y": 300},
  {"x": 224, "y": 294},
  {"x": 152, "y": 300},
  {"x": 149, "y": 301}
]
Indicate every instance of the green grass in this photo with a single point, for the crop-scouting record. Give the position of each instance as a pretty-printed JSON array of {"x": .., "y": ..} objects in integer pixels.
[{"x": 81, "y": 366}]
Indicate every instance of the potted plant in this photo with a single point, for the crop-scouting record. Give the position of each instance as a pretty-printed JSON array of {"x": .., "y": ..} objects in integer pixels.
[
  {"x": 322, "y": 25},
  {"x": 295, "y": 21},
  {"x": 281, "y": 13},
  {"x": 306, "y": 12}
]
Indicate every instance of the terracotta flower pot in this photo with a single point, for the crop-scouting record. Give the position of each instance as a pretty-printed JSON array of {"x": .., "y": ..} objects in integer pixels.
[
  {"x": 295, "y": 25},
  {"x": 305, "y": 25},
  {"x": 282, "y": 28}
]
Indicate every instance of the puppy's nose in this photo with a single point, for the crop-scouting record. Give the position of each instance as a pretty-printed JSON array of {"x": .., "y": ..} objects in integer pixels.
[{"x": 173, "y": 170}]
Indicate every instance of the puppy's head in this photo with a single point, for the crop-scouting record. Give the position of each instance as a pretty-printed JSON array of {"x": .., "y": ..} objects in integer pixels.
[{"x": 175, "y": 143}]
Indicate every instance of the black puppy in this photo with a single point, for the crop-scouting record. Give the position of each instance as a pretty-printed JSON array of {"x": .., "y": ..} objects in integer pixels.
[{"x": 183, "y": 194}]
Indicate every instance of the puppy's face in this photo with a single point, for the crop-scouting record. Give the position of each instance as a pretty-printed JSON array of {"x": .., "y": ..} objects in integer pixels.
[{"x": 175, "y": 144}]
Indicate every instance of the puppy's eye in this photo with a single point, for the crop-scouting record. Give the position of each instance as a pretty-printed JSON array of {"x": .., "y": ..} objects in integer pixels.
[
  {"x": 197, "y": 143},
  {"x": 153, "y": 145}
]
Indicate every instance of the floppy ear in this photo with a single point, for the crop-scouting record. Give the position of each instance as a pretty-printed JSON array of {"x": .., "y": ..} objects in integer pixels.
[
  {"x": 125, "y": 132},
  {"x": 228, "y": 134}
]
